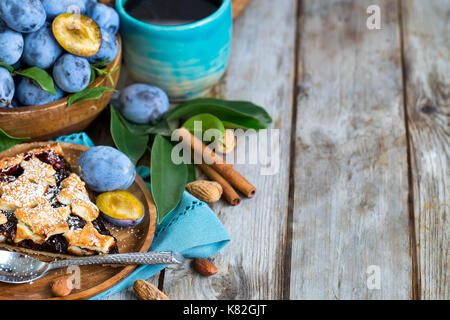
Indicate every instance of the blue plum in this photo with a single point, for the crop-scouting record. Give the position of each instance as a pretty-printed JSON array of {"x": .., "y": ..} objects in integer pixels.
[
  {"x": 18, "y": 64},
  {"x": 41, "y": 48},
  {"x": 29, "y": 93},
  {"x": 23, "y": 15},
  {"x": 15, "y": 103},
  {"x": 54, "y": 8},
  {"x": 106, "y": 169},
  {"x": 90, "y": 3},
  {"x": 142, "y": 103},
  {"x": 72, "y": 73},
  {"x": 7, "y": 88},
  {"x": 108, "y": 50},
  {"x": 106, "y": 17},
  {"x": 11, "y": 43}
]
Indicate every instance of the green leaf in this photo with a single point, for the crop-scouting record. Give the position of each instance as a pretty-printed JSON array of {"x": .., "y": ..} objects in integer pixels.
[
  {"x": 192, "y": 174},
  {"x": 161, "y": 127},
  {"x": 242, "y": 114},
  {"x": 111, "y": 80},
  {"x": 90, "y": 93},
  {"x": 168, "y": 179},
  {"x": 246, "y": 107},
  {"x": 132, "y": 145},
  {"x": 100, "y": 72},
  {"x": 92, "y": 78},
  {"x": 41, "y": 77},
  {"x": 208, "y": 121},
  {"x": 7, "y": 66},
  {"x": 101, "y": 63},
  {"x": 242, "y": 123},
  {"x": 7, "y": 141},
  {"x": 104, "y": 71}
]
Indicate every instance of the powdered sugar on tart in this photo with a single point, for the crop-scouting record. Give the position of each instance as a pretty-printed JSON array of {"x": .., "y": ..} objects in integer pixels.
[{"x": 45, "y": 207}]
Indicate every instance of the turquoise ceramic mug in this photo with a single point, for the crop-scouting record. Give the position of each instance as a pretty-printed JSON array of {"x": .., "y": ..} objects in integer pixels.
[{"x": 183, "y": 60}]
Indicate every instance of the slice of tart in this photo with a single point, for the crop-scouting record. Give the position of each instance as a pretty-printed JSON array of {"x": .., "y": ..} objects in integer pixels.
[{"x": 45, "y": 208}]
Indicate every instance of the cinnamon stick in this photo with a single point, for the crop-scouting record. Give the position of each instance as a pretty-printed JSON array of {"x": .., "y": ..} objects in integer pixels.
[
  {"x": 201, "y": 151},
  {"x": 228, "y": 192}
]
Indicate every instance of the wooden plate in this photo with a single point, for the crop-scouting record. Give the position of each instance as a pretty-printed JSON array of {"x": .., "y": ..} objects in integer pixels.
[
  {"x": 54, "y": 119},
  {"x": 94, "y": 279}
]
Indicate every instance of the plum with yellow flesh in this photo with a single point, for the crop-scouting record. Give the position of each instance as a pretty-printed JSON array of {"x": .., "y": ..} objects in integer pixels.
[
  {"x": 121, "y": 208},
  {"x": 77, "y": 34}
]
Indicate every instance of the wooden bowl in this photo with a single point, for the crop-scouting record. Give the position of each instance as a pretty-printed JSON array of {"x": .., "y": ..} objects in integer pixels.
[
  {"x": 51, "y": 120},
  {"x": 94, "y": 279},
  {"x": 239, "y": 6}
]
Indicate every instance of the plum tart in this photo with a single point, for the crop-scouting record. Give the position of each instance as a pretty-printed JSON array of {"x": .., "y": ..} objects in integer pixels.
[{"x": 45, "y": 208}]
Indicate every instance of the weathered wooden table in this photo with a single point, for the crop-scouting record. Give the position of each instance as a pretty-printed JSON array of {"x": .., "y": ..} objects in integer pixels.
[{"x": 360, "y": 206}]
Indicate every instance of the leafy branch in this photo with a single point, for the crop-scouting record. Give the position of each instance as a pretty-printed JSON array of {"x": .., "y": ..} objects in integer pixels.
[
  {"x": 169, "y": 179},
  {"x": 97, "y": 71}
]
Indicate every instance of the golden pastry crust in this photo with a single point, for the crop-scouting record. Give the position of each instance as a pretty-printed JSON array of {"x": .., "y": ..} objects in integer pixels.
[
  {"x": 38, "y": 172},
  {"x": 37, "y": 219},
  {"x": 55, "y": 147},
  {"x": 89, "y": 238},
  {"x": 3, "y": 219},
  {"x": 20, "y": 193},
  {"x": 43, "y": 220},
  {"x": 73, "y": 187},
  {"x": 24, "y": 232},
  {"x": 74, "y": 193},
  {"x": 84, "y": 209},
  {"x": 9, "y": 162}
]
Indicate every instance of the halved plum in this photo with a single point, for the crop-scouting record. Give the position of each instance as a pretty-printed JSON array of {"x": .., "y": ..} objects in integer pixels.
[
  {"x": 121, "y": 208},
  {"x": 78, "y": 34}
]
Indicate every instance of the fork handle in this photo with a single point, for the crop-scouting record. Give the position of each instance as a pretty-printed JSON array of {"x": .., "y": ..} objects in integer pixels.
[{"x": 163, "y": 257}]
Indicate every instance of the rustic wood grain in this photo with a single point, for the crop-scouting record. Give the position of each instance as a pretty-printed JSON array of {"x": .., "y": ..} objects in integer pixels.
[
  {"x": 261, "y": 70},
  {"x": 351, "y": 186},
  {"x": 51, "y": 120},
  {"x": 95, "y": 278},
  {"x": 350, "y": 180},
  {"x": 426, "y": 26}
]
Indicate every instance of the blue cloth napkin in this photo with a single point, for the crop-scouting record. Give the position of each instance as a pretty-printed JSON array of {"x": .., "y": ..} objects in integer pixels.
[{"x": 192, "y": 228}]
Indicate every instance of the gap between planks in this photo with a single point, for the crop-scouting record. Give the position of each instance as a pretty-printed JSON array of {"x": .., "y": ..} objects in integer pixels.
[
  {"x": 291, "y": 188},
  {"x": 425, "y": 32},
  {"x": 415, "y": 280},
  {"x": 340, "y": 262},
  {"x": 251, "y": 270}
]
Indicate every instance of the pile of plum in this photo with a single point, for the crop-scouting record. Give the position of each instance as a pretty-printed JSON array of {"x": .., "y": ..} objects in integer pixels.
[{"x": 63, "y": 37}]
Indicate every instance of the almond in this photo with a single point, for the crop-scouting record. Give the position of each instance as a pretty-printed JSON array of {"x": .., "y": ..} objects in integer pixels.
[
  {"x": 205, "y": 267},
  {"x": 62, "y": 287},
  {"x": 228, "y": 142},
  {"x": 146, "y": 291},
  {"x": 208, "y": 191}
]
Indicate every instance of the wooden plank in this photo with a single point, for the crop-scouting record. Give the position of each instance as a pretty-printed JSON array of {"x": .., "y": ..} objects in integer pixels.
[
  {"x": 351, "y": 187},
  {"x": 426, "y": 26},
  {"x": 252, "y": 265}
]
